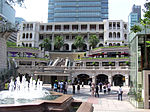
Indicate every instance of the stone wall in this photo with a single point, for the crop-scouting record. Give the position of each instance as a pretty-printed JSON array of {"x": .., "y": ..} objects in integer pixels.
[{"x": 3, "y": 54}]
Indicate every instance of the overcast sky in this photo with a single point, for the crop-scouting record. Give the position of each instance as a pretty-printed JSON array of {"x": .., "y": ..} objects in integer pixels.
[{"x": 37, "y": 10}]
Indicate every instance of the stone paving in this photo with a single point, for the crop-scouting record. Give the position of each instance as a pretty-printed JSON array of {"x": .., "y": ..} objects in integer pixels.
[{"x": 106, "y": 102}]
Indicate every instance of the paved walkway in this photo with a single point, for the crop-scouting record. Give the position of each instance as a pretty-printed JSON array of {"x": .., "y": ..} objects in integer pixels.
[{"x": 107, "y": 102}]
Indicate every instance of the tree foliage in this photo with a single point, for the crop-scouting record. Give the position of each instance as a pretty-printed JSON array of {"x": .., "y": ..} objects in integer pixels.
[
  {"x": 59, "y": 42},
  {"x": 9, "y": 44},
  {"x": 46, "y": 44},
  {"x": 136, "y": 28},
  {"x": 93, "y": 40},
  {"x": 79, "y": 42}
]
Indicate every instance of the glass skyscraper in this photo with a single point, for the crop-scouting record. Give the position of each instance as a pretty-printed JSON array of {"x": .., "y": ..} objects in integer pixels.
[
  {"x": 77, "y": 10},
  {"x": 134, "y": 16},
  {"x": 7, "y": 11}
]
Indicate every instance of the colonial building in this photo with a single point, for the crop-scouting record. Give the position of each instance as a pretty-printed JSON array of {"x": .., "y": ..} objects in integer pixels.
[
  {"x": 109, "y": 32},
  {"x": 107, "y": 63}
]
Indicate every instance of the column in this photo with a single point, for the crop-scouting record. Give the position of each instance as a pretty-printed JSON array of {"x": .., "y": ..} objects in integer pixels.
[
  {"x": 62, "y": 28},
  {"x": 126, "y": 80},
  {"x": 97, "y": 27},
  {"x": 93, "y": 79},
  {"x": 70, "y": 27},
  {"x": 110, "y": 79},
  {"x": 79, "y": 29},
  {"x": 70, "y": 47}
]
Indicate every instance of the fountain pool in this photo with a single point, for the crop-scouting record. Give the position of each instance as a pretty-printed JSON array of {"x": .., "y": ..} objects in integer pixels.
[{"x": 25, "y": 92}]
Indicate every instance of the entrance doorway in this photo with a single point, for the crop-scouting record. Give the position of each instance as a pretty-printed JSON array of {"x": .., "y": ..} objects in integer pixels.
[
  {"x": 83, "y": 78},
  {"x": 118, "y": 80},
  {"x": 102, "y": 78}
]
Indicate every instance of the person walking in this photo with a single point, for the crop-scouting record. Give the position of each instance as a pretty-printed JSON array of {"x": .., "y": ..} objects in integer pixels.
[
  {"x": 104, "y": 88},
  {"x": 100, "y": 86},
  {"x": 92, "y": 89},
  {"x": 55, "y": 87},
  {"x": 73, "y": 88},
  {"x": 120, "y": 92},
  {"x": 96, "y": 91},
  {"x": 82, "y": 84},
  {"x": 90, "y": 85},
  {"x": 109, "y": 87},
  {"x": 78, "y": 88}
]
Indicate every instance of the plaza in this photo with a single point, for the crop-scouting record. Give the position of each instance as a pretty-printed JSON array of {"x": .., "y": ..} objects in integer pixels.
[
  {"x": 78, "y": 44},
  {"x": 108, "y": 102}
]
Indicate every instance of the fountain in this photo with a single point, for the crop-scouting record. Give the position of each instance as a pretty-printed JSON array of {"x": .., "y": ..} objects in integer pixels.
[
  {"x": 24, "y": 91},
  {"x": 32, "y": 97}
]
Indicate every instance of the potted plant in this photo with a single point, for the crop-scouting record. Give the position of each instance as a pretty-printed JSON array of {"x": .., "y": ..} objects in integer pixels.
[
  {"x": 93, "y": 63},
  {"x": 110, "y": 63},
  {"x": 84, "y": 54},
  {"x": 78, "y": 56}
]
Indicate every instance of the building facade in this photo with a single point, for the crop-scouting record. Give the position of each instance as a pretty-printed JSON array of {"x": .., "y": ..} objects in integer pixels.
[
  {"x": 77, "y": 11},
  {"x": 140, "y": 69},
  {"x": 7, "y": 11},
  {"x": 110, "y": 60},
  {"x": 134, "y": 16},
  {"x": 109, "y": 32}
]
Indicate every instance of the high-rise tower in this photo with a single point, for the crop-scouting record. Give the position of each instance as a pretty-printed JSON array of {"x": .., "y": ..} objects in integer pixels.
[
  {"x": 77, "y": 10},
  {"x": 135, "y": 15}
]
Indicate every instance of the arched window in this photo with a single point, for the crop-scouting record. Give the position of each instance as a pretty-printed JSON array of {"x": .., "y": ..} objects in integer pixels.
[
  {"x": 23, "y": 36},
  {"x": 114, "y": 34},
  {"x": 114, "y": 44},
  {"x": 26, "y": 45},
  {"x": 27, "y": 35},
  {"x": 100, "y": 45},
  {"x": 30, "y": 45},
  {"x": 30, "y": 35},
  {"x": 118, "y": 44},
  {"x": 118, "y": 35},
  {"x": 110, "y": 44},
  {"x": 110, "y": 35},
  {"x": 125, "y": 36}
]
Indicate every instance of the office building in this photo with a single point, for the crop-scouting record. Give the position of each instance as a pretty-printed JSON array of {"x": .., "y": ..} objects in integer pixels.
[
  {"x": 7, "y": 11},
  {"x": 135, "y": 16},
  {"x": 77, "y": 10}
]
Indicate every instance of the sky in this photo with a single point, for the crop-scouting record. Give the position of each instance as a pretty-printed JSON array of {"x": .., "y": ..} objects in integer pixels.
[{"x": 37, "y": 10}]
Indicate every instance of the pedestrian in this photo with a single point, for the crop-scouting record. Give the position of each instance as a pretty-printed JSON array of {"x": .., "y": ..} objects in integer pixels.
[
  {"x": 96, "y": 91},
  {"x": 90, "y": 85},
  {"x": 92, "y": 89},
  {"x": 55, "y": 87},
  {"x": 82, "y": 84},
  {"x": 59, "y": 83},
  {"x": 120, "y": 92},
  {"x": 109, "y": 87},
  {"x": 78, "y": 88},
  {"x": 61, "y": 86},
  {"x": 73, "y": 88},
  {"x": 100, "y": 86},
  {"x": 66, "y": 87},
  {"x": 104, "y": 88}
]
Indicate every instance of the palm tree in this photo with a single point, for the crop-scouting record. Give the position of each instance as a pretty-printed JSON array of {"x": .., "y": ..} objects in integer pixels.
[
  {"x": 58, "y": 42},
  {"x": 79, "y": 42},
  {"x": 46, "y": 44},
  {"x": 93, "y": 41}
]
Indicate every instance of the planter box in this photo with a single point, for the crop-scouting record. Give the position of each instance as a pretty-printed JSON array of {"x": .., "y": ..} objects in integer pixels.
[{"x": 136, "y": 103}]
